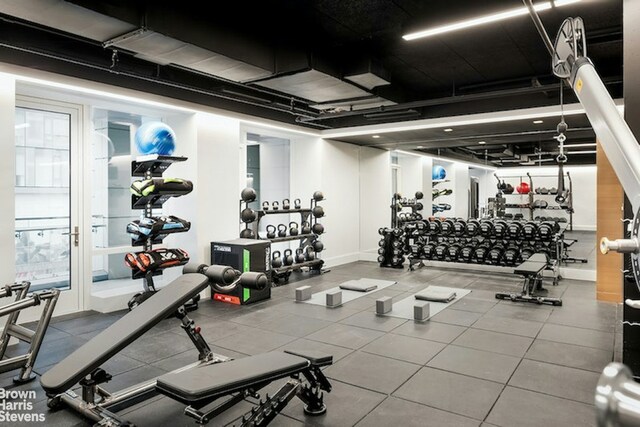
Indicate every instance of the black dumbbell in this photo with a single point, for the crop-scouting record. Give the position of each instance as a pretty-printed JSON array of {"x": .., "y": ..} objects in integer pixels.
[
  {"x": 499, "y": 228},
  {"x": 318, "y": 212},
  {"x": 480, "y": 253},
  {"x": 434, "y": 226},
  {"x": 545, "y": 231},
  {"x": 466, "y": 252},
  {"x": 526, "y": 252},
  {"x": 494, "y": 256},
  {"x": 459, "y": 227},
  {"x": 381, "y": 251},
  {"x": 515, "y": 230},
  {"x": 317, "y": 228},
  {"x": 248, "y": 215},
  {"x": 428, "y": 250},
  {"x": 473, "y": 227},
  {"x": 381, "y": 243},
  {"x": 529, "y": 230},
  {"x": 419, "y": 195},
  {"x": 440, "y": 251},
  {"x": 247, "y": 233},
  {"x": 318, "y": 246},
  {"x": 446, "y": 227},
  {"x": 486, "y": 228},
  {"x": 511, "y": 255},
  {"x": 453, "y": 252}
]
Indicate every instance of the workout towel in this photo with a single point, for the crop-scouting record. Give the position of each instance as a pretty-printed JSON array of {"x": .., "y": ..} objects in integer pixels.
[
  {"x": 358, "y": 285},
  {"x": 437, "y": 294}
]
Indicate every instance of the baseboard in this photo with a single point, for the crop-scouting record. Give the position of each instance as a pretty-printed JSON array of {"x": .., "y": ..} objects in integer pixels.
[
  {"x": 369, "y": 256},
  {"x": 578, "y": 274},
  {"x": 584, "y": 227}
]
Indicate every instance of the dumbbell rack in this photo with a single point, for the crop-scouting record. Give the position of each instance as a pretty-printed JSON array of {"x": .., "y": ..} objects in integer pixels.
[
  {"x": 529, "y": 195},
  {"x": 305, "y": 240},
  {"x": 418, "y": 238},
  {"x": 148, "y": 167},
  {"x": 398, "y": 203}
]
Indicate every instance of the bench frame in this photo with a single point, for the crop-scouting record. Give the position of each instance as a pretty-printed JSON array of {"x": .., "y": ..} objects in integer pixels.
[
  {"x": 100, "y": 406},
  {"x": 532, "y": 282}
]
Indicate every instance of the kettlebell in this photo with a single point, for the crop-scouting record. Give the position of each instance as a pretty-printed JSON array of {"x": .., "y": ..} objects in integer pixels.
[
  {"x": 305, "y": 228},
  {"x": 419, "y": 195},
  {"x": 299, "y": 256},
  {"x": 248, "y": 215},
  {"x": 317, "y": 196},
  {"x": 275, "y": 205},
  {"x": 293, "y": 228},
  {"x": 276, "y": 261},
  {"x": 247, "y": 233},
  {"x": 309, "y": 253},
  {"x": 271, "y": 231},
  {"x": 265, "y": 206},
  {"x": 297, "y": 204},
  {"x": 317, "y": 228},
  {"x": 282, "y": 230},
  {"x": 318, "y": 246},
  {"x": 288, "y": 257},
  {"x": 286, "y": 205},
  {"x": 318, "y": 212}
]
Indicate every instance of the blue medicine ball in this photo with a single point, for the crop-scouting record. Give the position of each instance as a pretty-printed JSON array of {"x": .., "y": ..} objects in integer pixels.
[
  {"x": 438, "y": 173},
  {"x": 155, "y": 138}
]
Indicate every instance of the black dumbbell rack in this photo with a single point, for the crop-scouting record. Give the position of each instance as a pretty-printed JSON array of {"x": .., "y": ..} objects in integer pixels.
[
  {"x": 398, "y": 204},
  {"x": 391, "y": 248},
  {"x": 417, "y": 237},
  {"x": 306, "y": 214},
  {"x": 148, "y": 167}
]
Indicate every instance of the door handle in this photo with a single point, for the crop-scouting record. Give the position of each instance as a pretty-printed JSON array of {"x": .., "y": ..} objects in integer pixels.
[{"x": 75, "y": 234}]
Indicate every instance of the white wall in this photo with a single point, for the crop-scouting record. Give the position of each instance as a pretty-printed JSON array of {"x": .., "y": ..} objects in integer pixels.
[
  {"x": 584, "y": 191},
  {"x": 411, "y": 174},
  {"x": 427, "y": 186},
  {"x": 460, "y": 190},
  {"x": 375, "y": 198}
]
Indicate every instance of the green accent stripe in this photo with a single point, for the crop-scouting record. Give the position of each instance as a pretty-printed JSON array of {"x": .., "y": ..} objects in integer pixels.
[
  {"x": 246, "y": 260},
  {"x": 246, "y": 294}
]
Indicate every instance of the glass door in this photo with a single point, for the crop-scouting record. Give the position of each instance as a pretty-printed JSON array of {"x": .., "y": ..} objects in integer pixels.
[{"x": 47, "y": 227}]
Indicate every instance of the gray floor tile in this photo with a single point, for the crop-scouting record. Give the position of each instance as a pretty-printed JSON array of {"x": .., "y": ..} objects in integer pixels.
[
  {"x": 371, "y": 371},
  {"x": 475, "y": 363},
  {"x": 152, "y": 348},
  {"x": 526, "y": 328},
  {"x": 360, "y": 304},
  {"x": 191, "y": 356},
  {"x": 556, "y": 380},
  {"x": 85, "y": 324},
  {"x": 495, "y": 342},
  {"x": 577, "y": 336},
  {"x": 405, "y": 348},
  {"x": 574, "y": 356},
  {"x": 254, "y": 341},
  {"x": 433, "y": 331},
  {"x": 304, "y": 344},
  {"x": 291, "y": 324},
  {"x": 317, "y": 311},
  {"x": 451, "y": 392},
  {"x": 345, "y": 336},
  {"x": 135, "y": 376},
  {"x": 253, "y": 318},
  {"x": 468, "y": 303},
  {"x": 536, "y": 409},
  {"x": 456, "y": 317},
  {"x": 346, "y": 405},
  {"x": 586, "y": 314},
  {"x": 395, "y": 411},
  {"x": 522, "y": 311},
  {"x": 54, "y": 351},
  {"x": 370, "y": 320}
]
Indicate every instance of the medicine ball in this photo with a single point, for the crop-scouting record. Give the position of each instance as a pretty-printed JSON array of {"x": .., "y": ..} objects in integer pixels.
[
  {"x": 248, "y": 195},
  {"x": 155, "y": 138},
  {"x": 318, "y": 196},
  {"x": 508, "y": 189},
  {"x": 438, "y": 173},
  {"x": 523, "y": 188},
  {"x": 419, "y": 195}
]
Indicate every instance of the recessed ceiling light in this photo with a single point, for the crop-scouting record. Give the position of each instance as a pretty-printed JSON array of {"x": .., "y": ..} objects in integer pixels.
[
  {"x": 482, "y": 142},
  {"x": 537, "y": 122},
  {"x": 448, "y": 130},
  {"x": 375, "y": 136},
  {"x": 500, "y": 16},
  {"x": 420, "y": 146}
]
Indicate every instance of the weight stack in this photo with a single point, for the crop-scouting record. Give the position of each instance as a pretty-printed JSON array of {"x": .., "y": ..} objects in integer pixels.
[{"x": 243, "y": 255}]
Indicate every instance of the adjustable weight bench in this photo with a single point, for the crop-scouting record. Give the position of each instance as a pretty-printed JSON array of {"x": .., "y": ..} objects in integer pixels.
[
  {"x": 211, "y": 378},
  {"x": 532, "y": 270}
]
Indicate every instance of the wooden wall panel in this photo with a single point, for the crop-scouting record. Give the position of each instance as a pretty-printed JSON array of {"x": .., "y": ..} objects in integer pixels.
[{"x": 609, "y": 215}]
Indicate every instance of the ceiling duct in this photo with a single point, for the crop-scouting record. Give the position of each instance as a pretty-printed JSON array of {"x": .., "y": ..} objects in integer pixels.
[
  {"x": 368, "y": 74},
  {"x": 359, "y": 104},
  {"x": 163, "y": 50}
]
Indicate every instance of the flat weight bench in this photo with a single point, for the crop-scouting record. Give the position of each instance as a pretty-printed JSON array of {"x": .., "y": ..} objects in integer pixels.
[
  {"x": 532, "y": 270},
  {"x": 211, "y": 378}
]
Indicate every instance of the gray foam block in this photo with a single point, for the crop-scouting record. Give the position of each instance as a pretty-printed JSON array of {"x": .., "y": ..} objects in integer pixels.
[
  {"x": 303, "y": 293},
  {"x": 334, "y": 298},
  {"x": 421, "y": 311},
  {"x": 384, "y": 305}
]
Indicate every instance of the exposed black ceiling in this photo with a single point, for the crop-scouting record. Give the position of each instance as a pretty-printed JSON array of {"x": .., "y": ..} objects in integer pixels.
[{"x": 289, "y": 60}]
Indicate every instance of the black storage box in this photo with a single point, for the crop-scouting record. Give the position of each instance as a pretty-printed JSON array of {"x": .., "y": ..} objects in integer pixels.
[{"x": 243, "y": 255}]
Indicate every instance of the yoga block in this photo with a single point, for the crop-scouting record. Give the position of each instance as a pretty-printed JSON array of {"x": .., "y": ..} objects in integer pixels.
[
  {"x": 421, "y": 311},
  {"x": 384, "y": 305},
  {"x": 303, "y": 293},
  {"x": 334, "y": 298}
]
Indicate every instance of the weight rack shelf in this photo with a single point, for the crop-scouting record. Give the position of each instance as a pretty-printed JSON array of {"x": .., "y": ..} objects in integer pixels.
[
  {"x": 154, "y": 164},
  {"x": 282, "y": 211},
  {"x": 294, "y": 267},
  {"x": 291, "y": 238}
]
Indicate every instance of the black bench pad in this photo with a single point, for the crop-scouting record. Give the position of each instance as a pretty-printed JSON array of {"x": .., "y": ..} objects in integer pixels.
[
  {"x": 315, "y": 357},
  {"x": 123, "y": 332},
  {"x": 529, "y": 268},
  {"x": 208, "y": 382}
]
